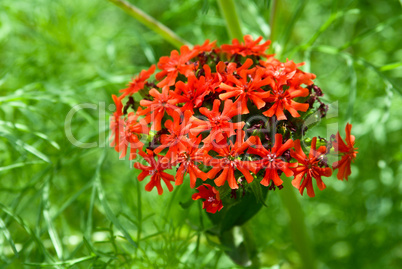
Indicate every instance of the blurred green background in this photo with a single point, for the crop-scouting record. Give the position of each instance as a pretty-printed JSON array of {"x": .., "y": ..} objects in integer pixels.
[{"x": 63, "y": 206}]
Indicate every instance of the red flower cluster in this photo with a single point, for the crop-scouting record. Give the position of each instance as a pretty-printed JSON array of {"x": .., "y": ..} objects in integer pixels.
[{"x": 225, "y": 114}]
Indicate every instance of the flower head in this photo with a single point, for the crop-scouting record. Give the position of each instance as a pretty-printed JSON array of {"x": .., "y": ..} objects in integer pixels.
[{"x": 211, "y": 113}]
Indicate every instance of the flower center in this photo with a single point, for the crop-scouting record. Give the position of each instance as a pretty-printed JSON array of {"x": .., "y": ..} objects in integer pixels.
[
  {"x": 271, "y": 157},
  {"x": 217, "y": 121},
  {"x": 211, "y": 199}
]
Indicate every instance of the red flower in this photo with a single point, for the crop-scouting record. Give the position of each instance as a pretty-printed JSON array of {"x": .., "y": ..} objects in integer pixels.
[
  {"x": 206, "y": 47},
  {"x": 126, "y": 131},
  {"x": 218, "y": 123},
  {"x": 348, "y": 153},
  {"x": 212, "y": 201},
  {"x": 283, "y": 100},
  {"x": 126, "y": 134},
  {"x": 119, "y": 105},
  {"x": 175, "y": 64},
  {"x": 308, "y": 167},
  {"x": 138, "y": 83},
  {"x": 286, "y": 73},
  {"x": 176, "y": 139},
  {"x": 231, "y": 161},
  {"x": 156, "y": 109},
  {"x": 188, "y": 160},
  {"x": 117, "y": 124},
  {"x": 211, "y": 81},
  {"x": 221, "y": 73},
  {"x": 281, "y": 72},
  {"x": 245, "y": 90},
  {"x": 155, "y": 170},
  {"x": 271, "y": 160},
  {"x": 191, "y": 94},
  {"x": 250, "y": 47},
  {"x": 232, "y": 67}
]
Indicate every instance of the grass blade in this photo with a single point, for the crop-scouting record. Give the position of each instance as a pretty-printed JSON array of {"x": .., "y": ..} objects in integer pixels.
[
  {"x": 139, "y": 212},
  {"x": 334, "y": 17},
  {"x": 66, "y": 263},
  {"x": 334, "y": 51},
  {"x": 390, "y": 66},
  {"x": 17, "y": 165},
  {"x": 26, "y": 147},
  {"x": 7, "y": 235},
  {"x": 229, "y": 13},
  {"x": 25, "y": 128},
  {"x": 32, "y": 234},
  {"x": 151, "y": 23},
  {"x": 49, "y": 222},
  {"x": 272, "y": 18},
  {"x": 353, "y": 89},
  {"x": 297, "y": 225},
  {"x": 105, "y": 205},
  {"x": 295, "y": 17},
  {"x": 379, "y": 27}
]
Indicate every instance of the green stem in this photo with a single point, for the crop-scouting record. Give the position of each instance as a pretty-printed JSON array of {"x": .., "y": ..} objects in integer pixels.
[
  {"x": 151, "y": 23},
  {"x": 272, "y": 18},
  {"x": 229, "y": 13},
  {"x": 251, "y": 246},
  {"x": 297, "y": 225}
]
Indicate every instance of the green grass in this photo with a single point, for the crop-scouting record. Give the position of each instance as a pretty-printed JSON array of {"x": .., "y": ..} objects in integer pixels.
[{"x": 67, "y": 207}]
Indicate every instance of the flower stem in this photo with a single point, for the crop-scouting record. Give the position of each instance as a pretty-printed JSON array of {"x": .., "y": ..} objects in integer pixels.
[
  {"x": 249, "y": 242},
  {"x": 151, "y": 23},
  {"x": 272, "y": 18},
  {"x": 297, "y": 225},
  {"x": 228, "y": 10}
]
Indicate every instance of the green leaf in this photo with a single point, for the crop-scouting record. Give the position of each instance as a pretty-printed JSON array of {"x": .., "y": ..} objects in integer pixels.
[
  {"x": 238, "y": 213},
  {"x": 390, "y": 66},
  {"x": 258, "y": 191},
  {"x": 186, "y": 204}
]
